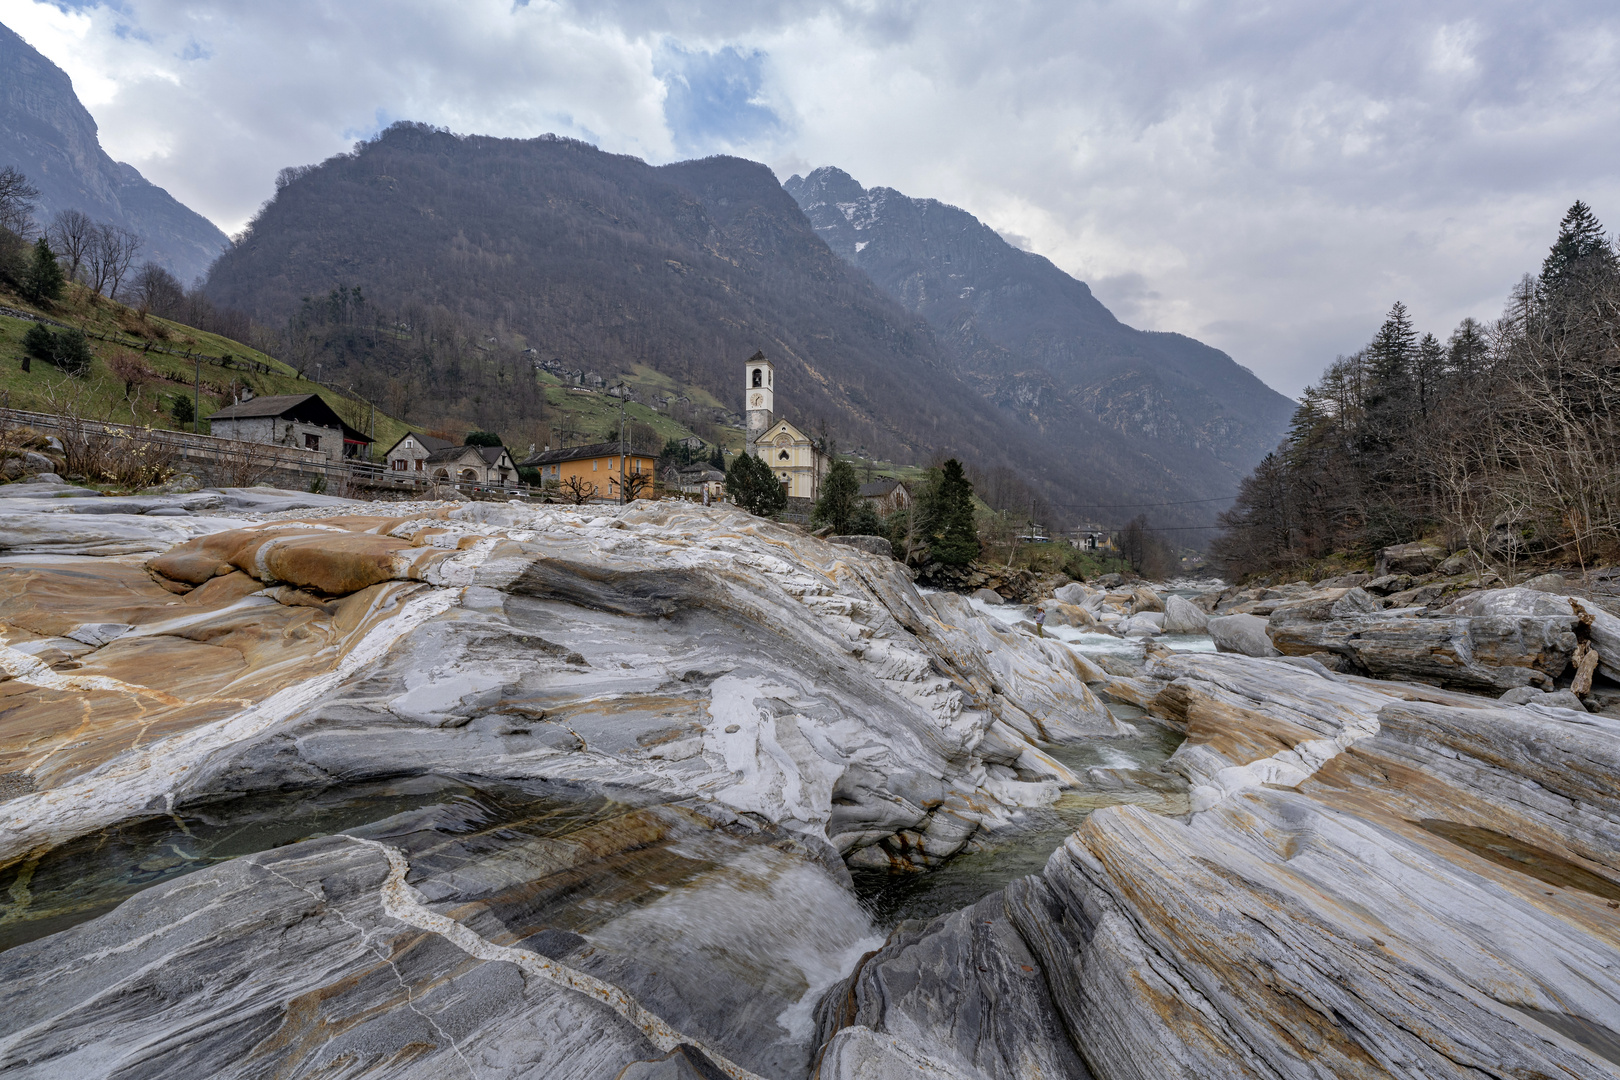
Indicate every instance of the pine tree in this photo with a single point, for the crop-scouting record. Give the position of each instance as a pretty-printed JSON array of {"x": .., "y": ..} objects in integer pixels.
[
  {"x": 1391, "y": 353},
  {"x": 945, "y": 516},
  {"x": 1428, "y": 371},
  {"x": 840, "y": 494},
  {"x": 753, "y": 486},
  {"x": 1466, "y": 351},
  {"x": 1580, "y": 251},
  {"x": 44, "y": 281},
  {"x": 718, "y": 458}
]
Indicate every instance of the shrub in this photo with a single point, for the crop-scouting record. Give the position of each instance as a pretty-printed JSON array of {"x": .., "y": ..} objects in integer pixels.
[{"x": 181, "y": 410}]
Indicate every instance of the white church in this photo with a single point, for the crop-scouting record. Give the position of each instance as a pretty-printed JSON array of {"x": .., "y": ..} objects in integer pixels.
[{"x": 797, "y": 462}]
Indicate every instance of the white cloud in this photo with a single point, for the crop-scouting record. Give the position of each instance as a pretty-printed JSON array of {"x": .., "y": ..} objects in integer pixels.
[{"x": 1268, "y": 177}]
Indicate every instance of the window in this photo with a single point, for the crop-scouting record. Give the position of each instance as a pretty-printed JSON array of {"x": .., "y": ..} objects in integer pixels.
[
  {"x": 593, "y": 465},
  {"x": 759, "y": 377},
  {"x": 398, "y": 464},
  {"x": 312, "y": 442},
  {"x": 782, "y": 455}
]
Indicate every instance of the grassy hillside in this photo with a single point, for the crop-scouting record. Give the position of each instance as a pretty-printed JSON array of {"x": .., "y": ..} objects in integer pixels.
[{"x": 101, "y": 394}]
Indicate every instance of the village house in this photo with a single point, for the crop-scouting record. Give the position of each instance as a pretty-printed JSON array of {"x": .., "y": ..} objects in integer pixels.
[
  {"x": 887, "y": 496},
  {"x": 594, "y": 468},
  {"x": 433, "y": 458},
  {"x": 410, "y": 453},
  {"x": 696, "y": 479},
  {"x": 797, "y": 462},
  {"x": 303, "y": 421}
]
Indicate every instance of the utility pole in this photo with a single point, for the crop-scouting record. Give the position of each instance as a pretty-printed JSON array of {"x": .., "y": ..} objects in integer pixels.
[
  {"x": 622, "y": 396},
  {"x": 196, "y": 395}
]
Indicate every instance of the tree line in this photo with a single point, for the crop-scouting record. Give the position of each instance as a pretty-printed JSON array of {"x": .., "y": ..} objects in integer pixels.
[{"x": 1503, "y": 439}]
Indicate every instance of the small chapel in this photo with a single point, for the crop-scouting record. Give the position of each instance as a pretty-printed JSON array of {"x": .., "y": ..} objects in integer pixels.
[{"x": 797, "y": 461}]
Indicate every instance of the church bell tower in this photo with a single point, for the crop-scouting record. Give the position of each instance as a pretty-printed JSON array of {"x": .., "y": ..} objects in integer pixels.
[{"x": 758, "y": 398}]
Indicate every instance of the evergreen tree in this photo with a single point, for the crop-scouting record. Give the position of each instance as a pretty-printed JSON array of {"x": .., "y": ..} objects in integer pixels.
[
  {"x": 1580, "y": 251},
  {"x": 1391, "y": 354},
  {"x": 1466, "y": 351},
  {"x": 72, "y": 353},
  {"x": 480, "y": 438},
  {"x": 718, "y": 458},
  {"x": 753, "y": 486},
  {"x": 945, "y": 516},
  {"x": 840, "y": 494},
  {"x": 39, "y": 342},
  {"x": 181, "y": 411},
  {"x": 1428, "y": 371},
  {"x": 44, "y": 281},
  {"x": 865, "y": 521}
]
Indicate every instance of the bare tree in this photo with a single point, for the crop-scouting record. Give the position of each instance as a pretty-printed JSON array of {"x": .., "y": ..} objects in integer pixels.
[
  {"x": 158, "y": 291},
  {"x": 108, "y": 256},
  {"x": 577, "y": 490},
  {"x": 17, "y": 197},
  {"x": 120, "y": 247},
  {"x": 72, "y": 235}
]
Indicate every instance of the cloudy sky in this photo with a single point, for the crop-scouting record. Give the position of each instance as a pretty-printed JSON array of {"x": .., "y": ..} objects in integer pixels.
[{"x": 1268, "y": 177}]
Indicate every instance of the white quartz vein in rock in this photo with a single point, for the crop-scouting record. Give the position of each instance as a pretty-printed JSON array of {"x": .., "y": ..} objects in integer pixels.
[{"x": 404, "y": 903}]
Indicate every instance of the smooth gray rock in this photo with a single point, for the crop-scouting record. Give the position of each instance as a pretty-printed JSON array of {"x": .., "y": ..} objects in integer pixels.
[
  {"x": 1412, "y": 559},
  {"x": 988, "y": 596},
  {"x": 1072, "y": 593},
  {"x": 1489, "y": 653},
  {"x": 963, "y": 994},
  {"x": 1457, "y": 857},
  {"x": 1243, "y": 634},
  {"x": 872, "y": 545},
  {"x": 1182, "y": 616}
]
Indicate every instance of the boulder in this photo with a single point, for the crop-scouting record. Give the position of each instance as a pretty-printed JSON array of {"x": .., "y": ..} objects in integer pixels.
[
  {"x": 1551, "y": 583},
  {"x": 1111, "y": 581},
  {"x": 1060, "y": 614},
  {"x": 1181, "y": 616},
  {"x": 1072, "y": 593},
  {"x": 874, "y": 545},
  {"x": 1460, "y": 563},
  {"x": 1244, "y": 634},
  {"x": 1489, "y": 653},
  {"x": 1412, "y": 559},
  {"x": 1604, "y": 627},
  {"x": 1147, "y": 624},
  {"x": 1145, "y": 599},
  {"x": 988, "y": 596},
  {"x": 1562, "y": 699},
  {"x": 1386, "y": 584}
]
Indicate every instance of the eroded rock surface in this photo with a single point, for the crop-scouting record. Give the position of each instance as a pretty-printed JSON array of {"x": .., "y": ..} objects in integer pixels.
[{"x": 1378, "y": 879}]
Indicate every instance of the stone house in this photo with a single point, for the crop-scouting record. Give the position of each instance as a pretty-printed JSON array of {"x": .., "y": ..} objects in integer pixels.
[
  {"x": 303, "y": 421},
  {"x": 470, "y": 465},
  {"x": 410, "y": 453},
  {"x": 887, "y": 495}
]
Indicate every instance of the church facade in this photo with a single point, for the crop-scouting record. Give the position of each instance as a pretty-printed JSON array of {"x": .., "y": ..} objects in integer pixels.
[{"x": 796, "y": 460}]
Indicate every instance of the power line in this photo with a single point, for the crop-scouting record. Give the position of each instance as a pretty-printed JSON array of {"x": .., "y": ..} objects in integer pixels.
[{"x": 1122, "y": 506}]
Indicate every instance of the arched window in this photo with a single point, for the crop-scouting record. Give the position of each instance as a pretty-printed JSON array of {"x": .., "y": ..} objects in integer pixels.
[
  {"x": 782, "y": 455},
  {"x": 759, "y": 377}
]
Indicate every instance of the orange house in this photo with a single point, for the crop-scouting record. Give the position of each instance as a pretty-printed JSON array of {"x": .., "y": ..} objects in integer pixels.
[{"x": 595, "y": 469}]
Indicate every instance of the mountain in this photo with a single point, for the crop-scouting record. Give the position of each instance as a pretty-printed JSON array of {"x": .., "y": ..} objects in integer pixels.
[
  {"x": 1036, "y": 341},
  {"x": 607, "y": 262},
  {"x": 51, "y": 137}
]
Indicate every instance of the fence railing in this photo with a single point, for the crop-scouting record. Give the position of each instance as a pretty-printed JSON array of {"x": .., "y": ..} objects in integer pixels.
[{"x": 240, "y": 463}]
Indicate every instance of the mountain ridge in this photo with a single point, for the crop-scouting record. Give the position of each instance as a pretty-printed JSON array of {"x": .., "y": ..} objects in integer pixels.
[
  {"x": 1035, "y": 338},
  {"x": 49, "y": 135}
]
